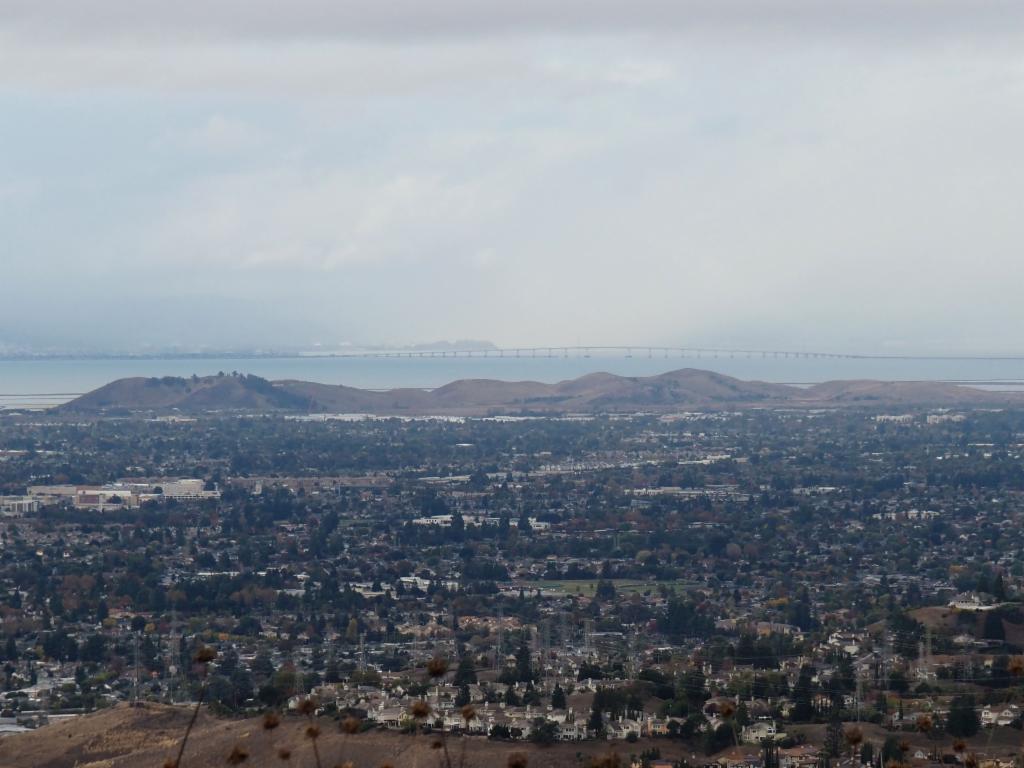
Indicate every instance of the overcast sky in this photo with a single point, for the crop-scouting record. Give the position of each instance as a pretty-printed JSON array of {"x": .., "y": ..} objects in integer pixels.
[{"x": 839, "y": 175}]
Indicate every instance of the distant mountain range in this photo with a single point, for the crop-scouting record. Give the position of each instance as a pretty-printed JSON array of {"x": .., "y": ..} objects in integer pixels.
[{"x": 594, "y": 393}]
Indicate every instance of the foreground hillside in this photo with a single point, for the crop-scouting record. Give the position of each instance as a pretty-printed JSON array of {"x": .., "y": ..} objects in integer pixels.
[
  {"x": 593, "y": 393},
  {"x": 126, "y": 737}
]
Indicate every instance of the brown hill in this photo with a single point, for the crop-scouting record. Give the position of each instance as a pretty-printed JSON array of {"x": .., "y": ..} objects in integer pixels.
[
  {"x": 685, "y": 387},
  {"x": 197, "y": 394},
  {"x": 865, "y": 392},
  {"x": 127, "y": 737},
  {"x": 594, "y": 393}
]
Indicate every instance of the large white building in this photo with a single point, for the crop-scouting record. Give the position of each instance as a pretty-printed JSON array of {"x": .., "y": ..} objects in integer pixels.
[
  {"x": 13, "y": 506},
  {"x": 124, "y": 493}
]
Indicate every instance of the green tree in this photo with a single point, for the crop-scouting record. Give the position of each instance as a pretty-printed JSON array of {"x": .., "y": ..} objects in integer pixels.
[
  {"x": 998, "y": 588},
  {"x": 595, "y": 723},
  {"x": 891, "y": 751},
  {"x": 834, "y": 737},
  {"x": 963, "y": 721},
  {"x": 867, "y": 753},
  {"x": 465, "y": 673},
  {"x": 692, "y": 689},
  {"x": 803, "y": 696},
  {"x": 993, "y": 626},
  {"x": 718, "y": 739},
  {"x": 524, "y": 665},
  {"x": 558, "y": 700},
  {"x": 544, "y": 731},
  {"x": 605, "y": 590},
  {"x": 898, "y": 681}
]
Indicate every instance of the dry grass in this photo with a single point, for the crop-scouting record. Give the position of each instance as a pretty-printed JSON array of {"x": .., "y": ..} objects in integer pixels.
[{"x": 124, "y": 737}]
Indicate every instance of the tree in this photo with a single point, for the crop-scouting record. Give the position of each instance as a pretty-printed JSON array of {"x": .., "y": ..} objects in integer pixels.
[
  {"x": 465, "y": 673},
  {"x": 352, "y": 631},
  {"x": 220, "y": 691},
  {"x": 891, "y": 751},
  {"x": 769, "y": 753},
  {"x": 1000, "y": 675},
  {"x": 993, "y": 627},
  {"x": 558, "y": 697},
  {"x": 457, "y": 529},
  {"x": 867, "y": 753},
  {"x": 718, "y": 739},
  {"x": 605, "y": 590},
  {"x": 745, "y": 651},
  {"x": 693, "y": 725},
  {"x": 846, "y": 674},
  {"x": 682, "y": 619},
  {"x": 331, "y": 672},
  {"x": 742, "y": 715},
  {"x": 524, "y": 665},
  {"x": 544, "y": 731},
  {"x": 595, "y": 723},
  {"x": 262, "y": 666},
  {"x": 798, "y": 612},
  {"x": 834, "y": 737},
  {"x": 898, "y": 681},
  {"x": 692, "y": 689},
  {"x": 94, "y": 649},
  {"x": 803, "y": 709},
  {"x": 998, "y": 588},
  {"x": 907, "y": 634},
  {"x": 963, "y": 721}
]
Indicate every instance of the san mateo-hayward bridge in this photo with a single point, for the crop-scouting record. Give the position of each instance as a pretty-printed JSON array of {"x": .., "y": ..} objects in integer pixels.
[{"x": 648, "y": 351}]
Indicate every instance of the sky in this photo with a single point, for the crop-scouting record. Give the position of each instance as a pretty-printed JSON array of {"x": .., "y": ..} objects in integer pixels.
[{"x": 795, "y": 174}]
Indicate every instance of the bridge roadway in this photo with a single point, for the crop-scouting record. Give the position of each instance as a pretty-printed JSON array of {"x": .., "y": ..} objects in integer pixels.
[{"x": 649, "y": 351}]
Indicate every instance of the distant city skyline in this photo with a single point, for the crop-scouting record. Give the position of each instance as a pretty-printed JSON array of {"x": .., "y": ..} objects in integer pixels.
[{"x": 777, "y": 174}]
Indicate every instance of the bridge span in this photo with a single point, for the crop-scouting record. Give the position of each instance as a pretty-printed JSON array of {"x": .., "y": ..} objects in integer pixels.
[{"x": 649, "y": 351}]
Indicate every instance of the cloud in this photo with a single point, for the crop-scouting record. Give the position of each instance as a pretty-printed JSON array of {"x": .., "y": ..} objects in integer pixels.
[
  {"x": 360, "y": 47},
  {"x": 402, "y": 20},
  {"x": 840, "y": 174},
  {"x": 320, "y": 219},
  {"x": 219, "y": 134},
  {"x": 17, "y": 192}
]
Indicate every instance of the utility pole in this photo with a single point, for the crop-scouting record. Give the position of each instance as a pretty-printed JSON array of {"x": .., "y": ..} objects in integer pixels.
[
  {"x": 174, "y": 651},
  {"x": 885, "y": 652},
  {"x": 860, "y": 691},
  {"x": 135, "y": 687},
  {"x": 499, "y": 650},
  {"x": 928, "y": 651}
]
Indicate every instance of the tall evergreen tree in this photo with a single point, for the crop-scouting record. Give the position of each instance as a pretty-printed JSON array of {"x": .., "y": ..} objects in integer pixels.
[
  {"x": 803, "y": 707},
  {"x": 465, "y": 673},
  {"x": 558, "y": 700}
]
